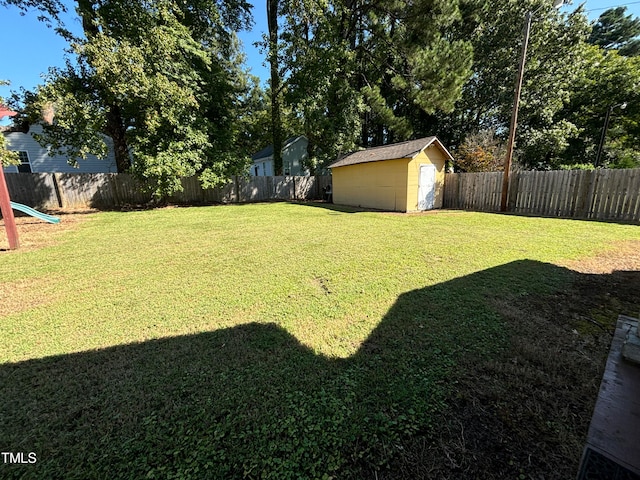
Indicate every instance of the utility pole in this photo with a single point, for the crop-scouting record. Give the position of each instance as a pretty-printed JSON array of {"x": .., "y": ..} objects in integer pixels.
[
  {"x": 603, "y": 135},
  {"x": 514, "y": 113},
  {"x": 516, "y": 103}
]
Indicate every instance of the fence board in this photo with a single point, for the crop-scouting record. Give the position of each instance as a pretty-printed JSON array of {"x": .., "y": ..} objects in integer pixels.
[
  {"x": 600, "y": 194},
  {"x": 633, "y": 195},
  {"x": 108, "y": 190},
  {"x": 36, "y": 190}
]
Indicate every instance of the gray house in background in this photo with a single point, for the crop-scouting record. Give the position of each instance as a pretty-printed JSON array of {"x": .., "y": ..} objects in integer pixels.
[
  {"x": 36, "y": 159},
  {"x": 294, "y": 152}
]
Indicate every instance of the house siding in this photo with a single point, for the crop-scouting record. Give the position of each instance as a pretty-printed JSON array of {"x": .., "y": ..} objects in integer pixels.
[
  {"x": 431, "y": 155},
  {"x": 42, "y": 162},
  {"x": 381, "y": 185},
  {"x": 294, "y": 154},
  {"x": 264, "y": 167}
]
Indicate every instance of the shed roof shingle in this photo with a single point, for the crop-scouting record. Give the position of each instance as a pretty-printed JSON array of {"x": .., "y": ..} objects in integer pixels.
[{"x": 407, "y": 149}]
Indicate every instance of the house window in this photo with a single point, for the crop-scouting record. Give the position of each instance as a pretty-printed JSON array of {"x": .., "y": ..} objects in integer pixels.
[
  {"x": 287, "y": 168},
  {"x": 25, "y": 165}
]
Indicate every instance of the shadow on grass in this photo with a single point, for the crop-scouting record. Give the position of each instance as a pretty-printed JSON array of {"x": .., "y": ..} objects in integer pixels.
[
  {"x": 251, "y": 401},
  {"x": 334, "y": 207}
]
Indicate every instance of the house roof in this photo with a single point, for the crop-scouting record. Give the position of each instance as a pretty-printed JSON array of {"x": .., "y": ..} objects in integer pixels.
[
  {"x": 394, "y": 151},
  {"x": 268, "y": 151}
]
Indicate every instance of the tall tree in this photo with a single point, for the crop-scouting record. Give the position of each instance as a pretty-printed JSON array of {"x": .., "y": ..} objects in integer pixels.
[
  {"x": 616, "y": 31},
  {"x": 606, "y": 81},
  {"x": 275, "y": 90},
  {"x": 160, "y": 79},
  {"x": 358, "y": 70},
  {"x": 495, "y": 31}
]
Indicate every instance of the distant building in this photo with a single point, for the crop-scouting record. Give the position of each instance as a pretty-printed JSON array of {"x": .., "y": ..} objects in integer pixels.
[
  {"x": 36, "y": 159},
  {"x": 294, "y": 153}
]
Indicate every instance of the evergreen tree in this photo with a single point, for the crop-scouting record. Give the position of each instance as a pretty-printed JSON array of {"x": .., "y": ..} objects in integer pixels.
[
  {"x": 358, "y": 70},
  {"x": 616, "y": 31}
]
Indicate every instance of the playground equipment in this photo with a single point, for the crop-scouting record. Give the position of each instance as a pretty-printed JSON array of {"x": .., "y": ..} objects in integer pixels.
[{"x": 34, "y": 213}]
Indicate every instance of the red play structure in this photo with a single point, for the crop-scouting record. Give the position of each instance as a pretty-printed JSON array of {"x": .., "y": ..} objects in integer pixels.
[{"x": 5, "y": 202}]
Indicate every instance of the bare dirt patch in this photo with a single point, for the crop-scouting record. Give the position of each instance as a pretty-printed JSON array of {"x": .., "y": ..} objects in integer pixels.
[
  {"x": 34, "y": 233},
  {"x": 624, "y": 256},
  {"x": 526, "y": 413},
  {"x": 23, "y": 295}
]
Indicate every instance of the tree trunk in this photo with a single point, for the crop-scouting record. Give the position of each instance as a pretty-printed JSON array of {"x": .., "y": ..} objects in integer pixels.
[
  {"x": 276, "y": 121},
  {"x": 86, "y": 11},
  {"x": 117, "y": 131},
  {"x": 115, "y": 127}
]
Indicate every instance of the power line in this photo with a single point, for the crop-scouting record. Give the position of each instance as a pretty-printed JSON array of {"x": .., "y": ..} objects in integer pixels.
[{"x": 612, "y": 6}]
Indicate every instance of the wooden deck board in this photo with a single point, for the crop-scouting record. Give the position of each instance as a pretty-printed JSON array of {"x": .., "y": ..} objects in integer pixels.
[{"x": 615, "y": 426}]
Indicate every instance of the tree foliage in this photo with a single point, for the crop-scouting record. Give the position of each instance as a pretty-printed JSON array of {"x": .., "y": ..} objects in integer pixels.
[
  {"x": 7, "y": 157},
  {"x": 480, "y": 152},
  {"x": 614, "y": 30},
  {"x": 487, "y": 99},
  {"x": 607, "y": 80},
  {"x": 162, "y": 80},
  {"x": 358, "y": 71},
  {"x": 568, "y": 87}
]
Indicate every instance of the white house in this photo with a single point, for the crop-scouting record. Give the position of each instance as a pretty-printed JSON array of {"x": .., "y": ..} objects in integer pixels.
[
  {"x": 36, "y": 159},
  {"x": 294, "y": 153}
]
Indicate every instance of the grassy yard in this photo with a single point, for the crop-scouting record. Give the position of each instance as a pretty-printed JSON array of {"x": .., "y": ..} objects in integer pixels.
[{"x": 262, "y": 341}]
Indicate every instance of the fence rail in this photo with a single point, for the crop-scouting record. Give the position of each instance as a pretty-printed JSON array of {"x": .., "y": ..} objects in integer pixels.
[
  {"x": 598, "y": 194},
  {"x": 113, "y": 190}
]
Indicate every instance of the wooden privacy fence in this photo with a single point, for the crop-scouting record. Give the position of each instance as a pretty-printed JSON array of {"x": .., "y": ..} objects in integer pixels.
[
  {"x": 599, "y": 194},
  {"x": 113, "y": 190}
]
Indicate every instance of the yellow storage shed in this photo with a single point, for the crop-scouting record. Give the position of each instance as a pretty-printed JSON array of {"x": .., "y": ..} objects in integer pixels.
[{"x": 402, "y": 177}]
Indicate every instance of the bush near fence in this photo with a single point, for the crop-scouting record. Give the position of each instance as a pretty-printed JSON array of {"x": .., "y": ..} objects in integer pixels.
[
  {"x": 599, "y": 194},
  {"x": 71, "y": 191}
]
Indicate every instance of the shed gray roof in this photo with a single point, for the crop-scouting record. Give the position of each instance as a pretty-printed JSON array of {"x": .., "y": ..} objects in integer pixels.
[
  {"x": 394, "y": 151},
  {"x": 268, "y": 151}
]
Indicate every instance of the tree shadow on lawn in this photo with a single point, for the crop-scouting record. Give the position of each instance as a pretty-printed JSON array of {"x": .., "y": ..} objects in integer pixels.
[{"x": 252, "y": 402}]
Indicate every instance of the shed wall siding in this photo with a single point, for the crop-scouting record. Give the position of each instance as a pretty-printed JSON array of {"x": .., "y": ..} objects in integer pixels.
[
  {"x": 381, "y": 185},
  {"x": 431, "y": 155},
  {"x": 42, "y": 162}
]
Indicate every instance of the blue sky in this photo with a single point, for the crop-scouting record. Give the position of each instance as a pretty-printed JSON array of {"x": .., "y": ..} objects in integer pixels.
[{"x": 30, "y": 48}]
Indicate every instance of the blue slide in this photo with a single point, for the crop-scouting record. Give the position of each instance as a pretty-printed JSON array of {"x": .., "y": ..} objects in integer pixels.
[{"x": 34, "y": 213}]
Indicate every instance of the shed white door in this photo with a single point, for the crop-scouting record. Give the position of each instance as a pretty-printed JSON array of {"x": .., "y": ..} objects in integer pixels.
[{"x": 427, "y": 187}]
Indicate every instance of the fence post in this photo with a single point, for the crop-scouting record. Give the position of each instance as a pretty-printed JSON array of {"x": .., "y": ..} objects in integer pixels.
[
  {"x": 59, "y": 194},
  {"x": 513, "y": 191},
  {"x": 586, "y": 197},
  {"x": 115, "y": 198}
]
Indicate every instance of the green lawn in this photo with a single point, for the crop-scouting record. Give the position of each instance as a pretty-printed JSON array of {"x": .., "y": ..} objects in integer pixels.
[{"x": 258, "y": 341}]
